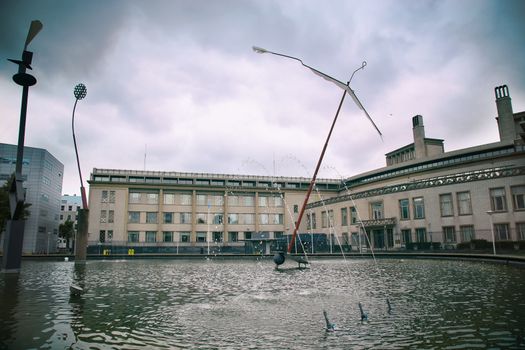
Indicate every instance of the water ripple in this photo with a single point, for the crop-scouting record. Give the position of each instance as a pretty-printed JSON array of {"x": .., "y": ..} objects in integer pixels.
[{"x": 248, "y": 305}]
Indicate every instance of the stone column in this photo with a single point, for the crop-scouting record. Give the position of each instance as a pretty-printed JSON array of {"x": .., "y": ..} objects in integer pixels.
[
  {"x": 13, "y": 241},
  {"x": 82, "y": 235}
]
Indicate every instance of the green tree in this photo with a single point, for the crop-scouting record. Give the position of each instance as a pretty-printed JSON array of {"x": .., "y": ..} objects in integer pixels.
[
  {"x": 66, "y": 231},
  {"x": 5, "y": 212}
]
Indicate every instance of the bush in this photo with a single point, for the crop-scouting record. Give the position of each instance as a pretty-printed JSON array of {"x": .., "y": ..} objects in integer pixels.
[
  {"x": 505, "y": 245},
  {"x": 480, "y": 244},
  {"x": 418, "y": 246},
  {"x": 436, "y": 245},
  {"x": 464, "y": 245}
]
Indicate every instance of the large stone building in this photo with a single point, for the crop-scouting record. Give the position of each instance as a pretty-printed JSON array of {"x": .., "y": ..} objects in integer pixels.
[
  {"x": 42, "y": 174},
  {"x": 423, "y": 197}
]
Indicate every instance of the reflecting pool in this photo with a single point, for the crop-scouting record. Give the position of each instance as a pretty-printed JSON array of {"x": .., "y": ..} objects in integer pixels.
[{"x": 246, "y": 304}]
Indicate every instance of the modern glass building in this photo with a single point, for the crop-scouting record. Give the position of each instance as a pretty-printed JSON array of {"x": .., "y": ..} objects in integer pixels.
[
  {"x": 43, "y": 176},
  {"x": 424, "y": 197}
]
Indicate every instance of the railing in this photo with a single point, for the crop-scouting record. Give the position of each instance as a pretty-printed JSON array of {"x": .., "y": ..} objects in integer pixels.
[{"x": 97, "y": 171}]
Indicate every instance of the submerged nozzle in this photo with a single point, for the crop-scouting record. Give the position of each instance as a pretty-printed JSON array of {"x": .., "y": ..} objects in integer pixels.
[
  {"x": 364, "y": 316},
  {"x": 330, "y": 327}
]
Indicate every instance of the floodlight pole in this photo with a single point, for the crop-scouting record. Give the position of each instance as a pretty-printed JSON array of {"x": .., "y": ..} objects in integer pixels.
[
  {"x": 14, "y": 239},
  {"x": 80, "y": 92},
  {"x": 490, "y": 212}
]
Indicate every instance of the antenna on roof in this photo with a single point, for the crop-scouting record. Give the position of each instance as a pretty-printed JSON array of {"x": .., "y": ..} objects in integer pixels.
[{"x": 145, "y": 152}]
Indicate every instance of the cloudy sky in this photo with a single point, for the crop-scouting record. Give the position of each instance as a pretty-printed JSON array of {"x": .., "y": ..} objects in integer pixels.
[{"x": 175, "y": 86}]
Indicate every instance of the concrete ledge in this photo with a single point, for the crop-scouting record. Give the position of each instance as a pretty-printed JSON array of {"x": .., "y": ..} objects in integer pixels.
[{"x": 504, "y": 258}]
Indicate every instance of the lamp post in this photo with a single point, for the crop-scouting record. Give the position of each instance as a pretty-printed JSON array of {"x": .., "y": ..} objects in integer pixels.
[
  {"x": 14, "y": 239},
  {"x": 279, "y": 258},
  {"x": 490, "y": 212},
  {"x": 80, "y": 92}
]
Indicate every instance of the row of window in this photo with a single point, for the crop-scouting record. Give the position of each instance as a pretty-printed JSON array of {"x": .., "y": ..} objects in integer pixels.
[
  {"x": 69, "y": 207},
  {"x": 171, "y": 236},
  {"x": 466, "y": 233},
  {"x": 462, "y": 205},
  {"x": 69, "y": 217},
  {"x": 244, "y": 200},
  {"x": 134, "y": 217},
  {"x": 327, "y": 218}
]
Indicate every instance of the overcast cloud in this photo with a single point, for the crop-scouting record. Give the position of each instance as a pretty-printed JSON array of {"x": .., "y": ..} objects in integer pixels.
[{"x": 178, "y": 81}]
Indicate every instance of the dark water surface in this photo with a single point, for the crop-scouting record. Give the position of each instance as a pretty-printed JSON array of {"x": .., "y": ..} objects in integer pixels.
[{"x": 246, "y": 304}]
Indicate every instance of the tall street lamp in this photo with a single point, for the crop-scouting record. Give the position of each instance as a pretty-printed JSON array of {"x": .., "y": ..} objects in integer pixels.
[
  {"x": 279, "y": 258},
  {"x": 13, "y": 242},
  {"x": 490, "y": 212},
  {"x": 80, "y": 92}
]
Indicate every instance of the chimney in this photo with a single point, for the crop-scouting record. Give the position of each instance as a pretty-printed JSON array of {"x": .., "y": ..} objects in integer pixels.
[
  {"x": 505, "y": 116},
  {"x": 418, "y": 129}
]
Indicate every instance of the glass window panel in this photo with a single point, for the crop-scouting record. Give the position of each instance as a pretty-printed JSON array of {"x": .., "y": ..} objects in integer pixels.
[
  {"x": 233, "y": 218},
  {"x": 518, "y": 197},
  {"x": 217, "y": 219},
  {"x": 133, "y": 217},
  {"x": 421, "y": 235},
  {"x": 264, "y": 219},
  {"x": 185, "y": 199},
  {"x": 249, "y": 201},
  {"x": 168, "y": 218},
  {"x": 449, "y": 234},
  {"x": 202, "y": 237},
  {"x": 501, "y": 232},
  {"x": 445, "y": 202},
  {"x": 152, "y": 198},
  {"x": 133, "y": 236},
  {"x": 167, "y": 236},
  {"x": 404, "y": 210},
  {"x": 169, "y": 198},
  {"x": 151, "y": 236},
  {"x": 498, "y": 200},
  {"x": 464, "y": 203},
  {"x": 217, "y": 236},
  {"x": 135, "y": 197},
  {"x": 151, "y": 217},
  {"x": 185, "y": 218},
  {"x": 467, "y": 233},
  {"x": 201, "y": 199},
  {"x": 344, "y": 217},
  {"x": 233, "y": 236},
  {"x": 184, "y": 237},
  {"x": 377, "y": 210},
  {"x": 419, "y": 208},
  {"x": 202, "y": 218},
  {"x": 233, "y": 201}
]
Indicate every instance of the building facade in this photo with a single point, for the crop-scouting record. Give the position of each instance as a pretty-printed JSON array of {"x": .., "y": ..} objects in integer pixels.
[
  {"x": 186, "y": 212},
  {"x": 69, "y": 206},
  {"x": 43, "y": 176},
  {"x": 424, "y": 197}
]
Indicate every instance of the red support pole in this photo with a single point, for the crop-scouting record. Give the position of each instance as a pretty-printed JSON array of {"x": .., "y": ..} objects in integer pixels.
[{"x": 312, "y": 183}]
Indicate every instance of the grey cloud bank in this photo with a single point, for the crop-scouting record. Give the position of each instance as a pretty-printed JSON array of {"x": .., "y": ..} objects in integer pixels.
[{"x": 179, "y": 79}]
